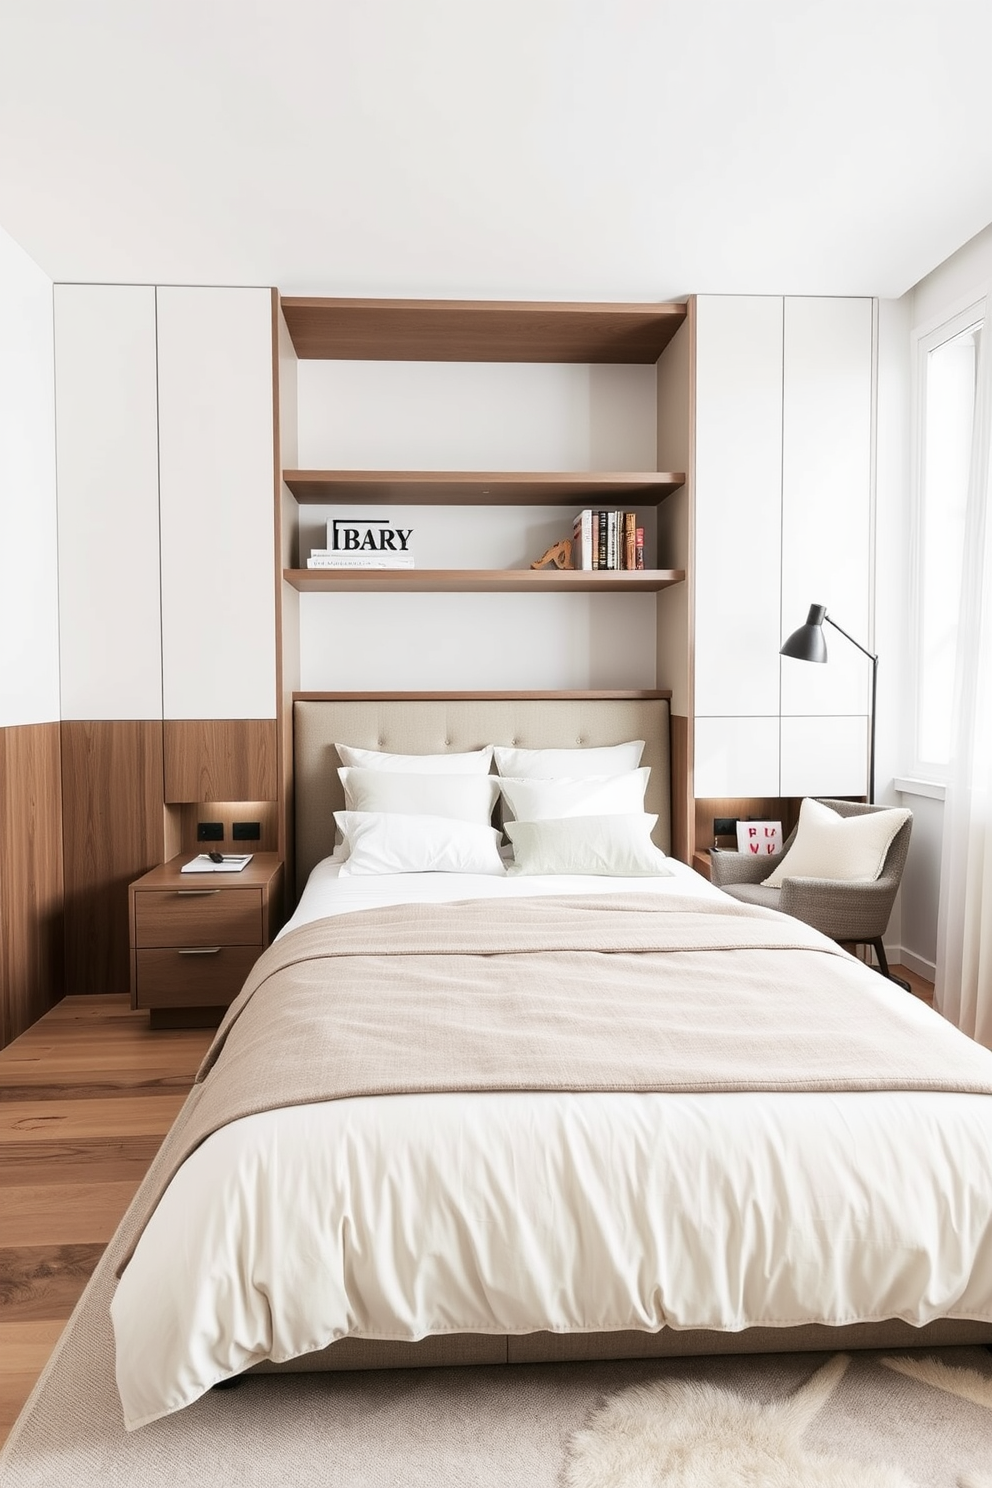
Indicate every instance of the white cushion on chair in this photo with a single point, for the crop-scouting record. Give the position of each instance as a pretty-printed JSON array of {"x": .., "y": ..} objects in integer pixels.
[{"x": 839, "y": 847}]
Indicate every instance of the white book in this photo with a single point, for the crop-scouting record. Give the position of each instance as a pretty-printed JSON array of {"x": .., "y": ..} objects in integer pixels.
[
  {"x": 233, "y": 863},
  {"x": 322, "y": 558},
  {"x": 582, "y": 539}
]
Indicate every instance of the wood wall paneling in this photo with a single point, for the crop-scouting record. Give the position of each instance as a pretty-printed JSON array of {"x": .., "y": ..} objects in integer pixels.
[
  {"x": 114, "y": 830},
  {"x": 31, "y": 886},
  {"x": 221, "y": 759}
]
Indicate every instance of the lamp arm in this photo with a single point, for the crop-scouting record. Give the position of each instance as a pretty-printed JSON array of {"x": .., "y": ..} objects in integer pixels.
[{"x": 863, "y": 649}]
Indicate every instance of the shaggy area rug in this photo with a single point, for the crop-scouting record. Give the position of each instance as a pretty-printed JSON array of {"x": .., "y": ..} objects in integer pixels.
[
  {"x": 675, "y": 1433},
  {"x": 519, "y": 1425}
]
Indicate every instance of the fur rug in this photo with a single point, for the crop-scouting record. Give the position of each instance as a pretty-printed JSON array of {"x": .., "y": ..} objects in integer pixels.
[{"x": 680, "y": 1434}]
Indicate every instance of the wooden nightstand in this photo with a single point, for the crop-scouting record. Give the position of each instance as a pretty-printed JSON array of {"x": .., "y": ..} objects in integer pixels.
[{"x": 195, "y": 937}]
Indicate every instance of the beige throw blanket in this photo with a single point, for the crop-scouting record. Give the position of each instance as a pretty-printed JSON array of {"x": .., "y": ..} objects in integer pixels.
[{"x": 631, "y": 993}]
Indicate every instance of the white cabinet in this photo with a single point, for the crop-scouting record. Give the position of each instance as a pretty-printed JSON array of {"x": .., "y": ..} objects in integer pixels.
[
  {"x": 826, "y": 498},
  {"x": 107, "y": 458},
  {"x": 738, "y": 517},
  {"x": 216, "y": 453},
  {"x": 784, "y": 395},
  {"x": 29, "y": 669}
]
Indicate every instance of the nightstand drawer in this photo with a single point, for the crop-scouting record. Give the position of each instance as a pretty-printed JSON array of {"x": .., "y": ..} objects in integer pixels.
[
  {"x": 198, "y": 917},
  {"x": 204, "y": 976}
]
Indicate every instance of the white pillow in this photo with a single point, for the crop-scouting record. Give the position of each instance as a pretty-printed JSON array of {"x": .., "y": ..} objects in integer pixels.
[
  {"x": 387, "y": 842},
  {"x": 575, "y": 764},
  {"x": 597, "y": 795},
  {"x": 476, "y": 762},
  {"x": 464, "y": 797},
  {"x": 617, "y": 845},
  {"x": 828, "y": 845}
]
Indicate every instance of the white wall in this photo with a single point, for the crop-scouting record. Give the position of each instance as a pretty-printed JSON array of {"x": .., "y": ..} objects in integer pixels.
[
  {"x": 474, "y": 416},
  {"x": 29, "y": 662}
]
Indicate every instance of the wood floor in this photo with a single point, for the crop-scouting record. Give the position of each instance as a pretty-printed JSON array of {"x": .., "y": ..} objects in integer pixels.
[{"x": 86, "y": 1096}]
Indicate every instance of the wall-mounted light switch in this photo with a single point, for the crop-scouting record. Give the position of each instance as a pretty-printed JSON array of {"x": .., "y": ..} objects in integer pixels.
[
  {"x": 210, "y": 831},
  {"x": 246, "y": 831}
]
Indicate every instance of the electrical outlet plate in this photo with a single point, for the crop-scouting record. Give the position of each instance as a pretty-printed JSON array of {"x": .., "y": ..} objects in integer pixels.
[
  {"x": 724, "y": 826},
  {"x": 246, "y": 831},
  {"x": 210, "y": 831}
]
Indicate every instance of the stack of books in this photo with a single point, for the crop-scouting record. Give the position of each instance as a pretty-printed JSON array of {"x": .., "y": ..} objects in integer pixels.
[
  {"x": 363, "y": 542},
  {"x": 607, "y": 539}
]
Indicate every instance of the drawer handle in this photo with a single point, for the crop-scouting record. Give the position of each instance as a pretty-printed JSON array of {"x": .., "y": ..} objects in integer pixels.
[
  {"x": 200, "y": 951},
  {"x": 194, "y": 893}
]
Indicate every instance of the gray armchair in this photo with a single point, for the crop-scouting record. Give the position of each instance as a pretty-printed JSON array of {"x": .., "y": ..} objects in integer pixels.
[{"x": 853, "y": 912}]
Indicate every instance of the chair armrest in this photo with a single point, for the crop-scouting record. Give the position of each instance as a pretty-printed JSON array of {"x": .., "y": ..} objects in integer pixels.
[
  {"x": 735, "y": 868},
  {"x": 855, "y": 910}
]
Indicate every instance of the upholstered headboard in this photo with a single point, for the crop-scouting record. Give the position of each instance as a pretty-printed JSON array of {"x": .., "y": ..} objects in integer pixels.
[{"x": 417, "y": 725}]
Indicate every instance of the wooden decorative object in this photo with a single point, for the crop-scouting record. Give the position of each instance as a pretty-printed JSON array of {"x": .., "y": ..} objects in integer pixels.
[{"x": 560, "y": 555}]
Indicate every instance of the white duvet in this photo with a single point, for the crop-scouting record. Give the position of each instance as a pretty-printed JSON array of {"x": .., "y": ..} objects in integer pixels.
[{"x": 402, "y": 1216}]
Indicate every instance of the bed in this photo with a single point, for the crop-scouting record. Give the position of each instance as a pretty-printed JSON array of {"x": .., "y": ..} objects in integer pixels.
[{"x": 445, "y": 1124}]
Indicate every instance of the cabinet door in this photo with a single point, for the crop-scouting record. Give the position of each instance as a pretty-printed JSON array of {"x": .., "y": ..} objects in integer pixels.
[
  {"x": 107, "y": 453},
  {"x": 737, "y": 550},
  {"x": 215, "y": 366},
  {"x": 826, "y": 498},
  {"x": 736, "y": 757},
  {"x": 824, "y": 756}
]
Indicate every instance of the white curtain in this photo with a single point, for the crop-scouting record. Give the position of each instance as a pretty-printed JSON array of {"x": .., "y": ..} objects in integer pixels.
[{"x": 963, "y": 990}]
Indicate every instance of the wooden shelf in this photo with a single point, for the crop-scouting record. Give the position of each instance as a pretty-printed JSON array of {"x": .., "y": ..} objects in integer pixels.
[
  {"x": 480, "y": 330},
  {"x": 484, "y": 488},
  {"x": 480, "y": 580}
]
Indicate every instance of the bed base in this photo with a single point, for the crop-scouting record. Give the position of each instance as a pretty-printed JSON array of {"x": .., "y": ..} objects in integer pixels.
[{"x": 670, "y": 1343}]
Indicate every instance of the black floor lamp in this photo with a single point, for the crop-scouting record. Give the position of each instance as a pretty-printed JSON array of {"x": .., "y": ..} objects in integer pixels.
[{"x": 808, "y": 643}]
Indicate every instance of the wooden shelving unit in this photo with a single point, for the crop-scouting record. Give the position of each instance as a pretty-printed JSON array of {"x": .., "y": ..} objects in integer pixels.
[
  {"x": 481, "y": 580},
  {"x": 480, "y": 330},
  {"x": 484, "y": 488}
]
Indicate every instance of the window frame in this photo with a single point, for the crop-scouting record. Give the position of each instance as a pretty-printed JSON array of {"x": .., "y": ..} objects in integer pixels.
[{"x": 966, "y": 315}]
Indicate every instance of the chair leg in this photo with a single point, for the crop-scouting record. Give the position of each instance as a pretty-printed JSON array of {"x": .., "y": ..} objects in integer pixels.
[{"x": 883, "y": 964}]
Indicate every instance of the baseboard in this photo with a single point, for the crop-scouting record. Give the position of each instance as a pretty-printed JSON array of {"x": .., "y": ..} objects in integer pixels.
[{"x": 900, "y": 956}]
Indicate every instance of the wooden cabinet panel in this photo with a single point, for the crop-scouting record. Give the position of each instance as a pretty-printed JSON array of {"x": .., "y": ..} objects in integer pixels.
[
  {"x": 114, "y": 829},
  {"x": 737, "y": 550},
  {"x": 107, "y": 449},
  {"x": 216, "y": 456},
  {"x": 31, "y": 952},
  {"x": 197, "y": 978},
  {"x": 220, "y": 759},
  {"x": 198, "y": 916},
  {"x": 826, "y": 496}
]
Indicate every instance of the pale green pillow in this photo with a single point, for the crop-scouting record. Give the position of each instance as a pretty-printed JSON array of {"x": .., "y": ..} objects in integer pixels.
[{"x": 610, "y": 846}]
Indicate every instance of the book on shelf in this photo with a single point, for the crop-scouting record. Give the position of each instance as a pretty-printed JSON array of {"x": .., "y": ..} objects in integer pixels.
[
  {"x": 582, "y": 539},
  {"x": 607, "y": 539},
  {"x": 325, "y": 558}
]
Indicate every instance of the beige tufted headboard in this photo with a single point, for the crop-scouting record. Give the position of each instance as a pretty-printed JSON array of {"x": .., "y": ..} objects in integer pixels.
[{"x": 416, "y": 724}]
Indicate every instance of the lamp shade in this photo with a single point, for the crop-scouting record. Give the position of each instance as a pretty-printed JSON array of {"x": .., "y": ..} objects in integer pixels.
[{"x": 808, "y": 642}]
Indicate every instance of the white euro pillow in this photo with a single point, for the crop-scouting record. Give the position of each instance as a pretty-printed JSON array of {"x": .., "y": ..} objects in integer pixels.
[
  {"x": 463, "y": 797},
  {"x": 389, "y": 842},
  {"x": 845, "y": 848},
  {"x": 617, "y": 846},
  {"x": 475, "y": 762},
  {"x": 598, "y": 795},
  {"x": 549, "y": 764}
]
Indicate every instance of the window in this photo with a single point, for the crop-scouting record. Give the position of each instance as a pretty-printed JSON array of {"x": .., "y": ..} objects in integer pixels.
[{"x": 947, "y": 360}]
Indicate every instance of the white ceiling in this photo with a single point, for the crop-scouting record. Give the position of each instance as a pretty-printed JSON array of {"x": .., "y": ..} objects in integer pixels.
[{"x": 561, "y": 149}]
